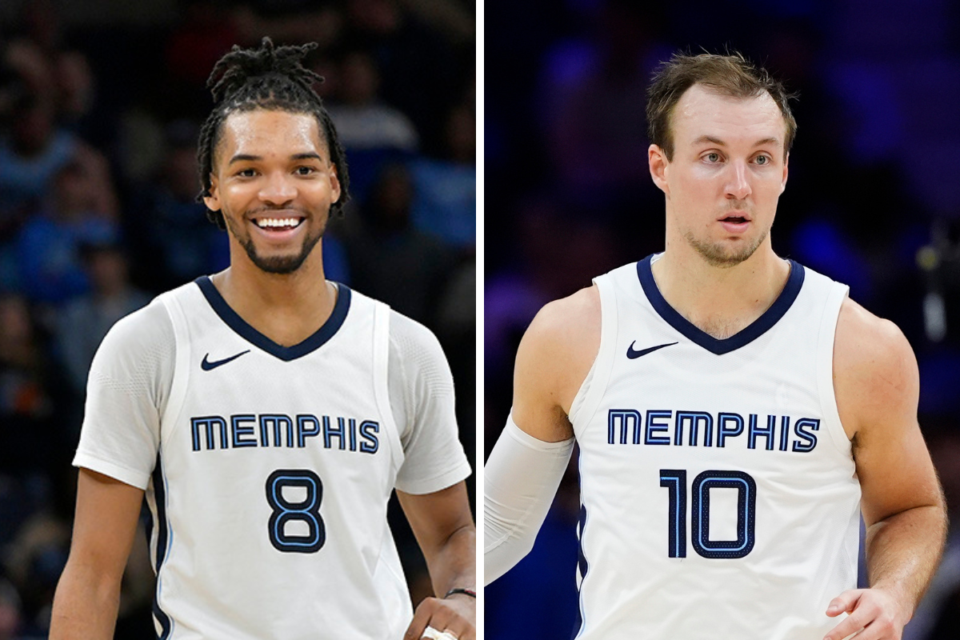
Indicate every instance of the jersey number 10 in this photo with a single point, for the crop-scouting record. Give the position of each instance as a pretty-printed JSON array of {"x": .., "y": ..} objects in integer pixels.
[{"x": 675, "y": 480}]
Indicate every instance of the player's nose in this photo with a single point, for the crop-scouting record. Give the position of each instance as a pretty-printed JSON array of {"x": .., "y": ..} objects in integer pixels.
[
  {"x": 278, "y": 188},
  {"x": 738, "y": 184}
]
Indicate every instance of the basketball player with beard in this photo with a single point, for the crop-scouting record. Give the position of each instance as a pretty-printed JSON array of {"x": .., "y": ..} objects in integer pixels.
[
  {"x": 735, "y": 411},
  {"x": 267, "y": 414}
]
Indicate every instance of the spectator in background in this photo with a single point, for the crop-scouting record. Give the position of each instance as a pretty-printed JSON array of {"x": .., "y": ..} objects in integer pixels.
[
  {"x": 451, "y": 18},
  {"x": 562, "y": 246},
  {"x": 35, "y": 560},
  {"x": 31, "y": 433},
  {"x": 594, "y": 90},
  {"x": 45, "y": 85},
  {"x": 446, "y": 189},
  {"x": 83, "y": 208},
  {"x": 421, "y": 67},
  {"x": 366, "y": 122},
  {"x": 85, "y": 321},
  {"x": 208, "y": 28},
  {"x": 205, "y": 31},
  {"x": 12, "y": 86},
  {"x": 170, "y": 229},
  {"x": 51, "y": 67},
  {"x": 31, "y": 154},
  {"x": 390, "y": 259},
  {"x": 373, "y": 133}
]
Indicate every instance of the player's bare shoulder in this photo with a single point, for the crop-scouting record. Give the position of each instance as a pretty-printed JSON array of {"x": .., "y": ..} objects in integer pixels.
[
  {"x": 875, "y": 373},
  {"x": 555, "y": 355}
]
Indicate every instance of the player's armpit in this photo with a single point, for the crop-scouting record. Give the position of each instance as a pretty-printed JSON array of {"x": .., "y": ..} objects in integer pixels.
[
  {"x": 553, "y": 360},
  {"x": 85, "y": 605},
  {"x": 443, "y": 526}
]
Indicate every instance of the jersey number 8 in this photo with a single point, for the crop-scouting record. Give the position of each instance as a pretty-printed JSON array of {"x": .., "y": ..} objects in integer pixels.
[{"x": 286, "y": 512}]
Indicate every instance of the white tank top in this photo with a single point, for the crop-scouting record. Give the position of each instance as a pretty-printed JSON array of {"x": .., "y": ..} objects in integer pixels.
[
  {"x": 270, "y": 491},
  {"x": 718, "y": 489}
]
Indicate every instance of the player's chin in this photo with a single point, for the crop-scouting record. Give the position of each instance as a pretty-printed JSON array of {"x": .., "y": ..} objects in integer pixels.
[{"x": 280, "y": 263}]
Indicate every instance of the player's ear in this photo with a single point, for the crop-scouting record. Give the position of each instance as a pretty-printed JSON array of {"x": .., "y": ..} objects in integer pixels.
[
  {"x": 213, "y": 200},
  {"x": 334, "y": 184},
  {"x": 658, "y": 162},
  {"x": 786, "y": 171}
]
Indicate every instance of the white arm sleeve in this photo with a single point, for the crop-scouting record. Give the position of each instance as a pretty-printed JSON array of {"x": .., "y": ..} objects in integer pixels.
[
  {"x": 127, "y": 390},
  {"x": 421, "y": 398},
  {"x": 520, "y": 480}
]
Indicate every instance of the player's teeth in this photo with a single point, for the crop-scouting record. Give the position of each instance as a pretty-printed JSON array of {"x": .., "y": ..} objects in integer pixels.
[{"x": 274, "y": 222}]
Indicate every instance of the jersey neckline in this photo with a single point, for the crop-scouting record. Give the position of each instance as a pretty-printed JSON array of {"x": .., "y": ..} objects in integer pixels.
[
  {"x": 247, "y": 332},
  {"x": 744, "y": 337}
]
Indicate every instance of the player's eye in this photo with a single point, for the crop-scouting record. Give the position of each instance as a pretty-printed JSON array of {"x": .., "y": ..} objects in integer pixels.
[
  {"x": 247, "y": 173},
  {"x": 712, "y": 157},
  {"x": 762, "y": 160},
  {"x": 305, "y": 171}
]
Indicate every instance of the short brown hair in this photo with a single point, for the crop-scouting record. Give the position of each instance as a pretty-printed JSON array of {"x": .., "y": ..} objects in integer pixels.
[{"x": 730, "y": 75}]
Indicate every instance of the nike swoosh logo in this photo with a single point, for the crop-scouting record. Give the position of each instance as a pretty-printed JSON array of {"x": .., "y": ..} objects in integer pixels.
[
  {"x": 632, "y": 353},
  {"x": 207, "y": 365}
]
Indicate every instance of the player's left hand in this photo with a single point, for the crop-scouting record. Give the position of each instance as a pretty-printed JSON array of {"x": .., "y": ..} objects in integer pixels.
[
  {"x": 874, "y": 613},
  {"x": 456, "y": 615}
]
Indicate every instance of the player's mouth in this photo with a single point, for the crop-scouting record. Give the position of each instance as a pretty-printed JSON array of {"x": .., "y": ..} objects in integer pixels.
[
  {"x": 278, "y": 226},
  {"x": 735, "y": 222}
]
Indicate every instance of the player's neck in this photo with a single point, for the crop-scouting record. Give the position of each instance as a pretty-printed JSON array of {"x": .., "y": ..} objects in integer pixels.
[
  {"x": 287, "y": 308},
  {"x": 720, "y": 301}
]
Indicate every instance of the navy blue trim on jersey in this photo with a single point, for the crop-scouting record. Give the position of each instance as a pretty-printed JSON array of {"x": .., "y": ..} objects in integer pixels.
[
  {"x": 251, "y": 335},
  {"x": 160, "y": 495},
  {"x": 716, "y": 346},
  {"x": 582, "y": 563}
]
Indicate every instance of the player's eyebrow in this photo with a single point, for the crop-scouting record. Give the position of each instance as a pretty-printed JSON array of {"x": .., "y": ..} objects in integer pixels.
[
  {"x": 765, "y": 141},
  {"x": 711, "y": 140},
  {"x": 721, "y": 143},
  {"x": 310, "y": 155},
  {"x": 246, "y": 157}
]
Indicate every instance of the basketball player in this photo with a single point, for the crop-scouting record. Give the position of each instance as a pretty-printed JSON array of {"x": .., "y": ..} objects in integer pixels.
[
  {"x": 735, "y": 411},
  {"x": 267, "y": 414}
]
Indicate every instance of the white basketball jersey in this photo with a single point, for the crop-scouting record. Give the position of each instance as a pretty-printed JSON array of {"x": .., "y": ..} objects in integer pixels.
[
  {"x": 718, "y": 490},
  {"x": 270, "y": 491}
]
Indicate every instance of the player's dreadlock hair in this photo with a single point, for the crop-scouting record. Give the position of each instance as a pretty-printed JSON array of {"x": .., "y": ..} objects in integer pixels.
[{"x": 270, "y": 78}]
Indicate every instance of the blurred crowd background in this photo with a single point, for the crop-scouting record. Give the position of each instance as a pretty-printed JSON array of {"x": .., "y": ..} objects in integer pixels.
[
  {"x": 100, "y": 107},
  {"x": 873, "y": 200}
]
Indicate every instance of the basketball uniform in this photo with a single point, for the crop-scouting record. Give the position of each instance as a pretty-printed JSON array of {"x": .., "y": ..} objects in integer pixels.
[
  {"x": 267, "y": 469},
  {"x": 718, "y": 488}
]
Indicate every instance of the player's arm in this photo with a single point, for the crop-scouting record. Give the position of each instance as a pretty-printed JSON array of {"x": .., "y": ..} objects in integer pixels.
[
  {"x": 443, "y": 526},
  {"x": 88, "y": 595},
  {"x": 527, "y": 463},
  {"x": 429, "y": 483},
  {"x": 553, "y": 359},
  {"x": 877, "y": 386},
  {"x": 128, "y": 383}
]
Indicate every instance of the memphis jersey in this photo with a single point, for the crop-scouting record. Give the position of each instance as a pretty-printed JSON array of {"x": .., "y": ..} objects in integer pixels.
[
  {"x": 273, "y": 471},
  {"x": 718, "y": 488}
]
